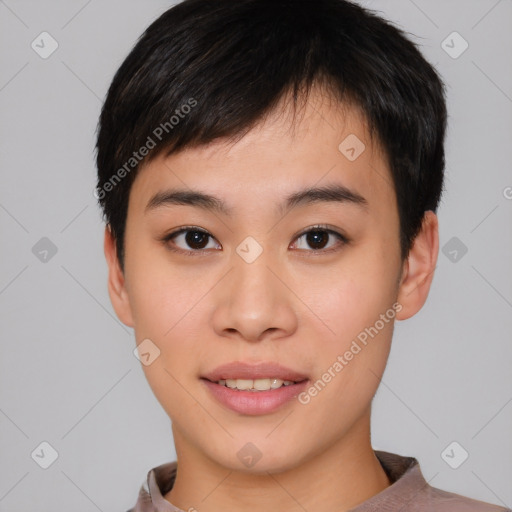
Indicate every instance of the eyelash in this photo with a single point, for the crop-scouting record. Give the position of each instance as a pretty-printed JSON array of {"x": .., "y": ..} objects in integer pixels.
[{"x": 342, "y": 240}]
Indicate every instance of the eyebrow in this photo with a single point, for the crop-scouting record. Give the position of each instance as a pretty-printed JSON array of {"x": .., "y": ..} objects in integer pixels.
[{"x": 331, "y": 193}]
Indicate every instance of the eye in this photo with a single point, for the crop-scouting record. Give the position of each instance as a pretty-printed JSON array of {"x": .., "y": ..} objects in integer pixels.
[
  {"x": 320, "y": 238},
  {"x": 189, "y": 239}
]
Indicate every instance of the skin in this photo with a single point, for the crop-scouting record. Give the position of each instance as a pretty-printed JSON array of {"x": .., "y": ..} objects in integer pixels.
[{"x": 295, "y": 305}]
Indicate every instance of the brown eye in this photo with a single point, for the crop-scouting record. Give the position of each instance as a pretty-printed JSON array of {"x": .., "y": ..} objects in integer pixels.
[
  {"x": 317, "y": 239},
  {"x": 196, "y": 239},
  {"x": 320, "y": 239},
  {"x": 189, "y": 240}
]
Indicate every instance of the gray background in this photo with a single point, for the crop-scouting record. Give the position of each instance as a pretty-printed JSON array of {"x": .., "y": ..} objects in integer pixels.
[{"x": 67, "y": 372}]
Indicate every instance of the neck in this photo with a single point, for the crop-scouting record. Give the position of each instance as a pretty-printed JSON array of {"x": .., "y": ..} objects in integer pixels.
[{"x": 339, "y": 478}]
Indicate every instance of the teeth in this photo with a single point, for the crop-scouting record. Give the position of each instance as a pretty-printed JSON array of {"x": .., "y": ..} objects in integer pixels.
[{"x": 254, "y": 385}]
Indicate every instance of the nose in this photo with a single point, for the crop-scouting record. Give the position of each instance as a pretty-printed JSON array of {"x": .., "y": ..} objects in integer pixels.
[{"x": 254, "y": 302}]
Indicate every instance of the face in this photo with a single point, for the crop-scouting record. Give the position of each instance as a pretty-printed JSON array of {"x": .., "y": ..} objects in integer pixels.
[{"x": 268, "y": 273}]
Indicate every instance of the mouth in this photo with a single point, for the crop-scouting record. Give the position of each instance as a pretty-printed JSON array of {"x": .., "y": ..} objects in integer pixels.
[
  {"x": 256, "y": 385},
  {"x": 254, "y": 389}
]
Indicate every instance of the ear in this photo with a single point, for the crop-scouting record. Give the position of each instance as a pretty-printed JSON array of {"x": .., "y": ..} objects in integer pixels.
[
  {"x": 418, "y": 270},
  {"x": 116, "y": 281}
]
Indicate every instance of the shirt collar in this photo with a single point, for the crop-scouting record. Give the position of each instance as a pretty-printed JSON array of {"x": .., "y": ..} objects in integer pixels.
[{"x": 407, "y": 485}]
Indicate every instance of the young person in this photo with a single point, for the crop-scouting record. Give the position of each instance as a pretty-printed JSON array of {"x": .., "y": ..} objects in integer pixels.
[{"x": 269, "y": 172}]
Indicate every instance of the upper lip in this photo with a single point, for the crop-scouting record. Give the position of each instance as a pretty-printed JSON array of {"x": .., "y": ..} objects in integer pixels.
[{"x": 241, "y": 370}]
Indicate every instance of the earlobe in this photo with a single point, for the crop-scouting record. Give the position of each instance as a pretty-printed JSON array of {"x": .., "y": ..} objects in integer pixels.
[
  {"x": 418, "y": 271},
  {"x": 116, "y": 281}
]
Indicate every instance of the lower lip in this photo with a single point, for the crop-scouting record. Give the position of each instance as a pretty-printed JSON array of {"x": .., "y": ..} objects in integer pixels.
[{"x": 255, "y": 402}]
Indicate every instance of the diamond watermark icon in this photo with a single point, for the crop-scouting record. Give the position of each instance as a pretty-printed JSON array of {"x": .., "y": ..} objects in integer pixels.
[
  {"x": 454, "y": 249},
  {"x": 249, "y": 455},
  {"x": 249, "y": 249},
  {"x": 352, "y": 147},
  {"x": 44, "y": 45},
  {"x": 44, "y": 250},
  {"x": 146, "y": 352},
  {"x": 44, "y": 455},
  {"x": 454, "y": 45},
  {"x": 454, "y": 455}
]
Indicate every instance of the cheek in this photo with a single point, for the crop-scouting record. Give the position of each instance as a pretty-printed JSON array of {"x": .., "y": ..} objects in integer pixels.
[
  {"x": 168, "y": 313},
  {"x": 355, "y": 337},
  {"x": 167, "y": 309},
  {"x": 350, "y": 297},
  {"x": 351, "y": 357},
  {"x": 160, "y": 294}
]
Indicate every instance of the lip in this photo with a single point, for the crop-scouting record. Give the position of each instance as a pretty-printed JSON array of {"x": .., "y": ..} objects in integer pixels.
[
  {"x": 254, "y": 402},
  {"x": 240, "y": 370}
]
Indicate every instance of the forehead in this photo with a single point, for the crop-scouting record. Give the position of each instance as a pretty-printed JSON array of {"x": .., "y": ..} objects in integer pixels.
[{"x": 325, "y": 143}]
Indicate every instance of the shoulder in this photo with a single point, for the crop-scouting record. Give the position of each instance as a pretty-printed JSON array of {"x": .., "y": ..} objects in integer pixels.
[
  {"x": 413, "y": 493},
  {"x": 444, "y": 501}
]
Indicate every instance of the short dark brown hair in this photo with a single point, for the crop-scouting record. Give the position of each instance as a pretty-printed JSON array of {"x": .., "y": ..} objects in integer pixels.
[{"x": 209, "y": 69}]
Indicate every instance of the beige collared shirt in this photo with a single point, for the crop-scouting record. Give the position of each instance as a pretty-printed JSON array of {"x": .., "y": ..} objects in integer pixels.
[{"x": 409, "y": 492}]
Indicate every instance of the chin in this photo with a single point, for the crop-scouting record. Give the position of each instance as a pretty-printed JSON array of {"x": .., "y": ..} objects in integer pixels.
[{"x": 257, "y": 458}]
